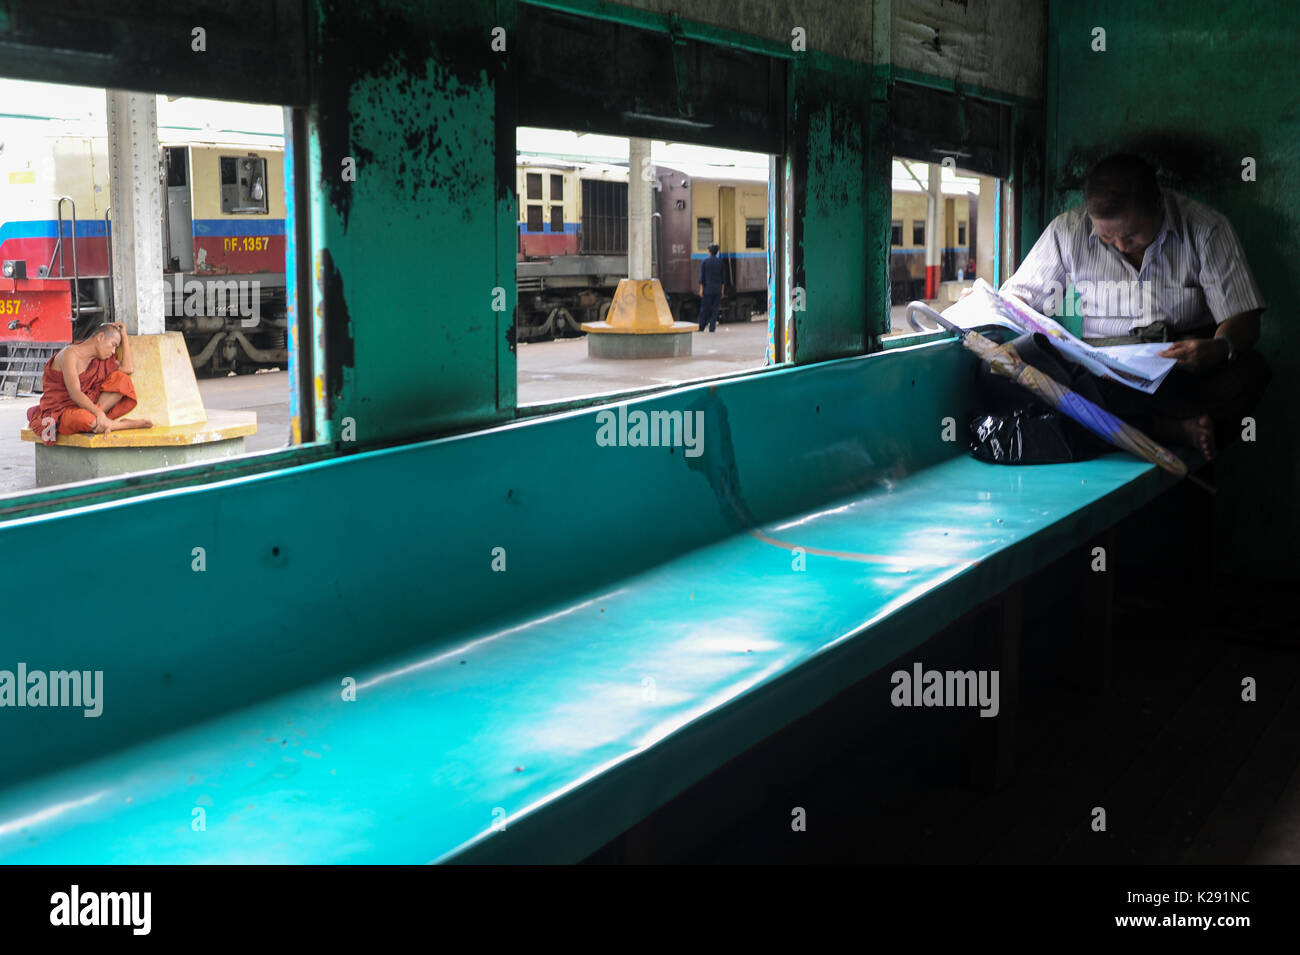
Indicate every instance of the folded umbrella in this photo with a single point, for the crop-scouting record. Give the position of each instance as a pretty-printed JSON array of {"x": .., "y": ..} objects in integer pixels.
[{"x": 1004, "y": 360}]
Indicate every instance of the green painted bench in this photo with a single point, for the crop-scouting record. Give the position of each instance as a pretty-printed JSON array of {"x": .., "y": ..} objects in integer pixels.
[{"x": 648, "y": 625}]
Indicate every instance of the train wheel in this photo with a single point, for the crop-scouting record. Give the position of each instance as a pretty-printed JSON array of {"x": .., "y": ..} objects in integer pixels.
[{"x": 566, "y": 326}]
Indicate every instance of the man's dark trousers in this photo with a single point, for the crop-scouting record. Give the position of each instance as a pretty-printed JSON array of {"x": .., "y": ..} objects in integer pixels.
[{"x": 709, "y": 311}]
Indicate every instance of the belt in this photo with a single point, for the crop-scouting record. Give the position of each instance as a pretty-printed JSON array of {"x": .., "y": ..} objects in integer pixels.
[{"x": 1155, "y": 332}]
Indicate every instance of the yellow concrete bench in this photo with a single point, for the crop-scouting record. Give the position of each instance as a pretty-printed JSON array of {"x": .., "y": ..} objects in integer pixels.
[
  {"x": 183, "y": 432},
  {"x": 639, "y": 325},
  {"x": 80, "y": 457}
]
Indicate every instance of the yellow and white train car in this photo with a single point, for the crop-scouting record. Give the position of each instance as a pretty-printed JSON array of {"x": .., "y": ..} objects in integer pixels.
[{"x": 223, "y": 231}]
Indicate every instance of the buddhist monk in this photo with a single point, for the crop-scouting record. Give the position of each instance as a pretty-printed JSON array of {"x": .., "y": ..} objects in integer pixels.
[{"x": 85, "y": 389}]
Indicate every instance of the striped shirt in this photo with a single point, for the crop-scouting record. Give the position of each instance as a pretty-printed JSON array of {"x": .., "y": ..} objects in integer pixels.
[{"x": 1193, "y": 272}]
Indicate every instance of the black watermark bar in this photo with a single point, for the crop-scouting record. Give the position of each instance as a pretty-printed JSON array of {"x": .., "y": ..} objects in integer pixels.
[{"x": 309, "y": 903}]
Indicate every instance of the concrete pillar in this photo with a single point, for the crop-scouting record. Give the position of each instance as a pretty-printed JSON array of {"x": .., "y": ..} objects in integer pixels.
[
  {"x": 933, "y": 196},
  {"x": 640, "y": 208},
  {"x": 136, "y": 196}
]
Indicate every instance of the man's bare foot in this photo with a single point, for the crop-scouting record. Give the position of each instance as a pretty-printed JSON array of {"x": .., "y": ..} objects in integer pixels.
[
  {"x": 1195, "y": 433},
  {"x": 1199, "y": 434},
  {"x": 127, "y": 424}
]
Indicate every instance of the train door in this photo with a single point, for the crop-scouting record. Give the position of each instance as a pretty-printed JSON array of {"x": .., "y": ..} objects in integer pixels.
[
  {"x": 727, "y": 232},
  {"x": 178, "y": 241}
]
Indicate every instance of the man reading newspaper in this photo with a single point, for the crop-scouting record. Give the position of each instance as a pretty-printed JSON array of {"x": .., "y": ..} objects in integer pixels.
[{"x": 1150, "y": 265}]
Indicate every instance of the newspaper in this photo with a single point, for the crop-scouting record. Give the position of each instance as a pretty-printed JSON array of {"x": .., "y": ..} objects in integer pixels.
[{"x": 1138, "y": 366}]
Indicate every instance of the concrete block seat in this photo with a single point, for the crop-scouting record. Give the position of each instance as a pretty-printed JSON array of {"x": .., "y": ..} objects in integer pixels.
[
  {"x": 639, "y": 325},
  {"x": 505, "y": 716},
  {"x": 183, "y": 431},
  {"x": 79, "y": 457}
]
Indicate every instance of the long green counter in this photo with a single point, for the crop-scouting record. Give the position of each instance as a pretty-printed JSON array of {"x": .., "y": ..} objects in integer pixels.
[{"x": 645, "y": 630}]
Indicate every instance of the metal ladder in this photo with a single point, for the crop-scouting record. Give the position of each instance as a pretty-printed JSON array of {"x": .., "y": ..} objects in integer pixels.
[{"x": 47, "y": 271}]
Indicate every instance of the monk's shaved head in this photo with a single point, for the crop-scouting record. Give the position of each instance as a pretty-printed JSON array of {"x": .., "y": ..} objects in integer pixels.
[{"x": 109, "y": 331}]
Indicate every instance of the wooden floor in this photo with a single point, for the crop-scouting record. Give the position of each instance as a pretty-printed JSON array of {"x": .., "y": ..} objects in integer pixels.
[{"x": 1186, "y": 771}]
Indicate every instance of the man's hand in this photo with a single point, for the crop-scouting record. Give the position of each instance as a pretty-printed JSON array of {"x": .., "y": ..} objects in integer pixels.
[
  {"x": 102, "y": 423},
  {"x": 1197, "y": 354}
]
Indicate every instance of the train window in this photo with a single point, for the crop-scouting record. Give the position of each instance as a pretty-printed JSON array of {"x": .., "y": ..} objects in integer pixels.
[
  {"x": 567, "y": 278},
  {"x": 534, "y": 185},
  {"x": 703, "y": 234},
  {"x": 176, "y": 160},
  {"x": 603, "y": 225},
  {"x": 918, "y": 232},
  {"x": 961, "y": 233},
  {"x": 896, "y": 232},
  {"x": 211, "y": 335},
  {"x": 557, "y": 188},
  {"x": 243, "y": 185}
]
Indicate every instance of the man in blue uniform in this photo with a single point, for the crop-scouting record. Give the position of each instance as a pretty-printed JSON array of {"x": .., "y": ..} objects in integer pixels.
[{"x": 711, "y": 274}]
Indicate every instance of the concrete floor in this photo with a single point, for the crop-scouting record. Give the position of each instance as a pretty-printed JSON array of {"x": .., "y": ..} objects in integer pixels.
[{"x": 553, "y": 371}]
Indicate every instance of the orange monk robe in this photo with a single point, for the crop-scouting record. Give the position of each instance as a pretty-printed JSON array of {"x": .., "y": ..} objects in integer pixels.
[{"x": 101, "y": 375}]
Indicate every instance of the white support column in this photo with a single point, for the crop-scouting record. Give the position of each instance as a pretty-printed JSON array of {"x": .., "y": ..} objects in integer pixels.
[
  {"x": 933, "y": 198},
  {"x": 640, "y": 208},
  {"x": 136, "y": 197},
  {"x": 639, "y": 323}
]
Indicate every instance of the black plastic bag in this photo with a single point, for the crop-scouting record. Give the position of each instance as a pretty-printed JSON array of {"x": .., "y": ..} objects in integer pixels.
[
  {"x": 1025, "y": 436},
  {"x": 1017, "y": 427}
]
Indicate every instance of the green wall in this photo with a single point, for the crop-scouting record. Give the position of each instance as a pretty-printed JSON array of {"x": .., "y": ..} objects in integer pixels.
[
  {"x": 1197, "y": 86},
  {"x": 829, "y": 136},
  {"x": 413, "y": 249}
]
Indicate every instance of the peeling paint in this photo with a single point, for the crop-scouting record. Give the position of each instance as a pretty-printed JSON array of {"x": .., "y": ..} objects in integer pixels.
[
  {"x": 830, "y": 243},
  {"x": 389, "y": 62},
  {"x": 339, "y": 352},
  {"x": 413, "y": 243}
]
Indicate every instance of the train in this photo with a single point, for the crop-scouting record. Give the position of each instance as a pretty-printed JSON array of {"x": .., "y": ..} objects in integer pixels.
[
  {"x": 907, "y": 241},
  {"x": 572, "y": 247},
  {"x": 572, "y": 244},
  {"x": 222, "y": 231}
]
